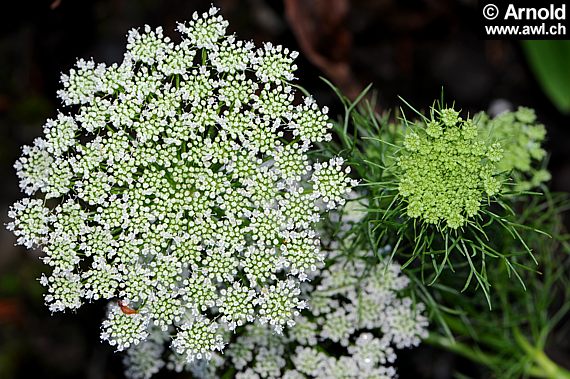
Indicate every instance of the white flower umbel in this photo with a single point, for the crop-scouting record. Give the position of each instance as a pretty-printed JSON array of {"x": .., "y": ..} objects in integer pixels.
[
  {"x": 145, "y": 359},
  {"x": 405, "y": 324},
  {"x": 198, "y": 339},
  {"x": 30, "y": 222},
  {"x": 280, "y": 304},
  {"x": 358, "y": 316},
  {"x": 180, "y": 187},
  {"x": 123, "y": 330},
  {"x": 326, "y": 177}
]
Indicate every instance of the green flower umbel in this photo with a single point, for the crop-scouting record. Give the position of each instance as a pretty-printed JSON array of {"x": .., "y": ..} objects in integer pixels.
[
  {"x": 438, "y": 190},
  {"x": 522, "y": 138},
  {"x": 447, "y": 170}
]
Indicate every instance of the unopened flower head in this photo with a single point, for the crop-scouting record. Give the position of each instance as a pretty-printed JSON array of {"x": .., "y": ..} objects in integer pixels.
[
  {"x": 522, "y": 138},
  {"x": 174, "y": 188},
  {"x": 446, "y": 170}
]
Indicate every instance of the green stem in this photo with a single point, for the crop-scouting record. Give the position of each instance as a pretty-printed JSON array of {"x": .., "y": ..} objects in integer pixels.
[
  {"x": 545, "y": 367},
  {"x": 462, "y": 349}
]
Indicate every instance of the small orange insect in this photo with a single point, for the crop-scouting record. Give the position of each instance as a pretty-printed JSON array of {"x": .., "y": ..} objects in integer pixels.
[{"x": 126, "y": 309}]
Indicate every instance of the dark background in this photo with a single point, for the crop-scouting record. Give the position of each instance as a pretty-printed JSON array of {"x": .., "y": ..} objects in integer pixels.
[{"x": 406, "y": 48}]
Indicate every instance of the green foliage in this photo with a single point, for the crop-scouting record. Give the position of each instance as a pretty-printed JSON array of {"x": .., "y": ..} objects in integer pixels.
[
  {"x": 549, "y": 61},
  {"x": 524, "y": 279},
  {"x": 511, "y": 339}
]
